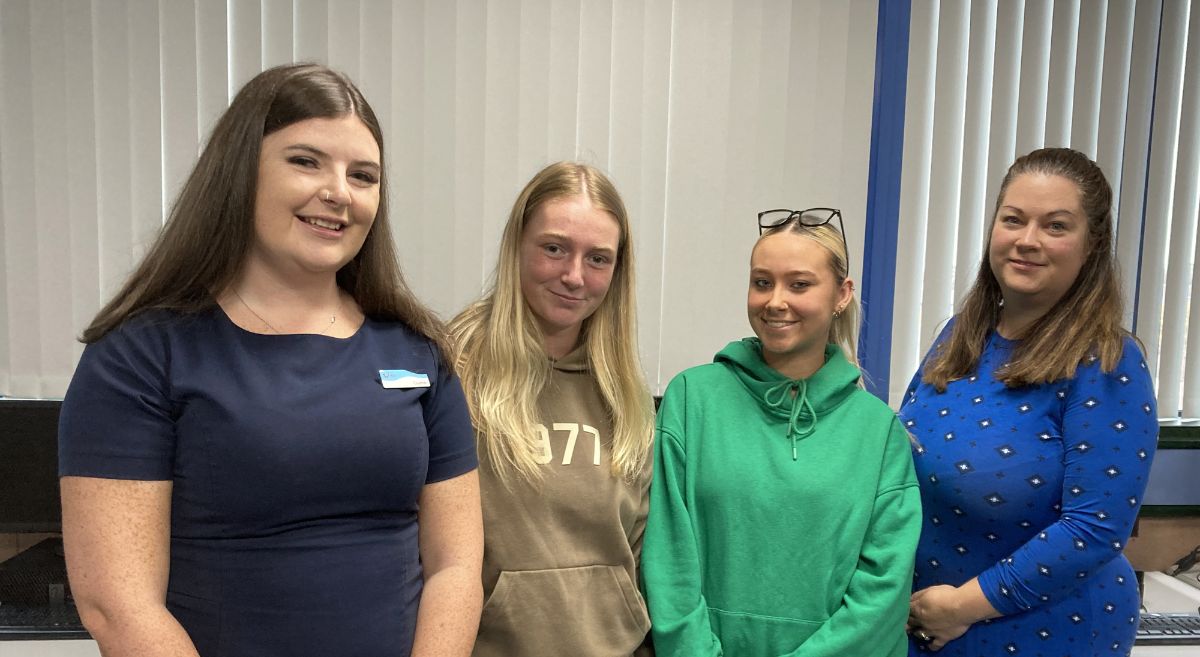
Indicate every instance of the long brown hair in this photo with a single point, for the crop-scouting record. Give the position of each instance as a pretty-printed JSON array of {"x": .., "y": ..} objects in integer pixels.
[
  {"x": 503, "y": 363},
  {"x": 1084, "y": 323},
  {"x": 203, "y": 244}
]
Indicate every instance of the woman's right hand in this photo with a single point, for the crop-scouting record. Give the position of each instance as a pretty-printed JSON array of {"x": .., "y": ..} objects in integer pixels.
[{"x": 940, "y": 614}]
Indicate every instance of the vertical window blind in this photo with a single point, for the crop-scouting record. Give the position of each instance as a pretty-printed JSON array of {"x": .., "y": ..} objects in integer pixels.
[
  {"x": 703, "y": 112},
  {"x": 1116, "y": 79}
]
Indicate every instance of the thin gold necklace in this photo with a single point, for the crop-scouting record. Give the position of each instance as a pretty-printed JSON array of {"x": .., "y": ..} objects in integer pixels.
[{"x": 332, "y": 318}]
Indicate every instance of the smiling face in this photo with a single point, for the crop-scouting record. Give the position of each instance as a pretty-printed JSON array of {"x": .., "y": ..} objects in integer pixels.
[
  {"x": 792, "y": 297},
  {"x": 568, "y": 256},
  {"x": 317, "y": 196},
  {"x": 1038, "y": 242}
]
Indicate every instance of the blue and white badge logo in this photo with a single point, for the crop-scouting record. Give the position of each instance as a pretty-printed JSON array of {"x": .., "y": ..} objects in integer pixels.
[{"x": 403, "y": 379}]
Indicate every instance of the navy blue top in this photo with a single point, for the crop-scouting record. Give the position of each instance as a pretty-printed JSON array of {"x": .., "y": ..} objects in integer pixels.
[
  {"x": 1035, "y": 490},
  {"x": 296, "y": 473}
]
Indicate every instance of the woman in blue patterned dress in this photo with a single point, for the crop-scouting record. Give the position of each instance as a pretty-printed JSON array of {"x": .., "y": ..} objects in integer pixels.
[{"x": 1035, "y": 424}]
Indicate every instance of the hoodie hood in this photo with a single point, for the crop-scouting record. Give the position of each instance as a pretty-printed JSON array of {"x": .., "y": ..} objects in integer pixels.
[
  {"x": 575, "y": 361},
  {"x": 802, "y": 402}
]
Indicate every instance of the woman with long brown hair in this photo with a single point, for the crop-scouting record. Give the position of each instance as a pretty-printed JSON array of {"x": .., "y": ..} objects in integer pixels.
[
  {"x": 1035, "y": 424},
  {"x": 264, "y": 449}
]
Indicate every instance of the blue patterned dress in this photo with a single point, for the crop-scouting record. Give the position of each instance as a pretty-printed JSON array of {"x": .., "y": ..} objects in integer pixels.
[{"x": 1035, "y": 491}]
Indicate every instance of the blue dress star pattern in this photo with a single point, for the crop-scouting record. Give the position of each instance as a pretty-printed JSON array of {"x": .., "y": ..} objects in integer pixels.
[{"x": 1035, "y": 490}]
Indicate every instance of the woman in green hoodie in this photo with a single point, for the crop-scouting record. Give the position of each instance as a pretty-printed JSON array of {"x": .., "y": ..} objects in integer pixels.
[{"x": 784, "y": 512}]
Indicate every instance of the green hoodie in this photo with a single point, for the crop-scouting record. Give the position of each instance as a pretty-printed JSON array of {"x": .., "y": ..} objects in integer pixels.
[{"x": 784, "y": 515}]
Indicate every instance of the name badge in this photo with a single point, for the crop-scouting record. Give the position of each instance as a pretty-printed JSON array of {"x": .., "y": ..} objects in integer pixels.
[{"x": 403, "y": 379}]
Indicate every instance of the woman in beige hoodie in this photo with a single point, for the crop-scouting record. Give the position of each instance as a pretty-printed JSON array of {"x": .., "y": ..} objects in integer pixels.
[{"x": 549, "y": 361}]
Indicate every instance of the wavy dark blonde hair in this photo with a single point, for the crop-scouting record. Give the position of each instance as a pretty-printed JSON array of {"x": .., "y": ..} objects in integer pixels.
[
  {"x": 1084, "y": 323},
  {"x": 500, "y": 353},
  {"x": 203, "y": 245}
]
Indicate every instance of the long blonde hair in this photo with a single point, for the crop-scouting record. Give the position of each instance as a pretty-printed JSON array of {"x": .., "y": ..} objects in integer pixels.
[
  {"x": 1085, "y": 322},
  {"x": 499, "y": 346},
  {"x": 843, "y": 331}
]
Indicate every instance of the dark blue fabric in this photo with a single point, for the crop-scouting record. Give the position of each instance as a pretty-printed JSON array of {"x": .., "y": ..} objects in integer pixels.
[
  {"x": 1035, "y": 491},
  {"x": 296, "y": 474}
]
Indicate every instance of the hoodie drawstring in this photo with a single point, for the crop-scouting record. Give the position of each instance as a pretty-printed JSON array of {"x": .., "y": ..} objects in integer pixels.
[{"x": 777, "y": 396}]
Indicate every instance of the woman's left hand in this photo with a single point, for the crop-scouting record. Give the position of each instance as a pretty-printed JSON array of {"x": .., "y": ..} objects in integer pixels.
[{"x": 934, "y": 616}]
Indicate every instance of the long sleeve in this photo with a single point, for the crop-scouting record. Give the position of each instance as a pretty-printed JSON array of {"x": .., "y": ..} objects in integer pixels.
[
  {"x": 670, "y": 552},
  {"x": 915, "y": 382},
  {"x": 1109, "y": 433},
  {"x": 637, "y": 535},
  {"x": 870, "y": 620}
]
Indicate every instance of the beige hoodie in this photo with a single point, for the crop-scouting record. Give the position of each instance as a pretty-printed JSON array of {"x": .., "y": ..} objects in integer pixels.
[{"x": 560, "y": 556}]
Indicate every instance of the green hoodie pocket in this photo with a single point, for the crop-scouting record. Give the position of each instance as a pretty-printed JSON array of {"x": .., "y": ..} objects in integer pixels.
[
  {"x": 581, "y": 611},
  {"x": 753, "y": 634}
]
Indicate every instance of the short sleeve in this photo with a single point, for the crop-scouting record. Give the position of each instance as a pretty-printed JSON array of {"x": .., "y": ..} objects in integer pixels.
[
  {"x": 448, "y": 424},
  {"x": 117, "y": 419}
]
